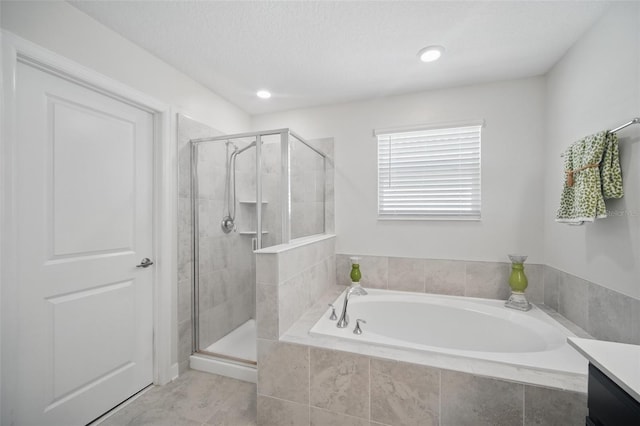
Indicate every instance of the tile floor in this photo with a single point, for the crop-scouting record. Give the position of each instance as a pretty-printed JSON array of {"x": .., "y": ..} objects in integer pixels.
[{"x": 193, "y": 399}]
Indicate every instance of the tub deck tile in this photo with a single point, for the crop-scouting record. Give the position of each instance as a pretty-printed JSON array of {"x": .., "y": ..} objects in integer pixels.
[
  {"x": 340, "y": 382},
  {"x": 475, "y": 401},
  {"x": 404, "y": 394}
]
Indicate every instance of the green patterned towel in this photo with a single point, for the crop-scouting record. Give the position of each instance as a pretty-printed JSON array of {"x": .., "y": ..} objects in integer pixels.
[{"x": 592, "y": 168}]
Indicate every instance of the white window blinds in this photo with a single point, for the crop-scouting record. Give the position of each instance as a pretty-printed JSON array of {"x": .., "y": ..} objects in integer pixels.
[{"x": 429, "y": 174}]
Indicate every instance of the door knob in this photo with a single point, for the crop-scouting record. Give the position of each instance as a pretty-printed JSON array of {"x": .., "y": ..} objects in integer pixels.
[{"x": 145, "y": 263}]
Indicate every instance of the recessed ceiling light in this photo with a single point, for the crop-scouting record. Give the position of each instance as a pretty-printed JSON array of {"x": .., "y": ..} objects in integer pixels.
[
  {"x": 263, "y": 94},
  {"x": 430, "y": 53}
]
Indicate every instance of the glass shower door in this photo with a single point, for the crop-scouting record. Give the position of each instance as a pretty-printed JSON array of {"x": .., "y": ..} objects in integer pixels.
[{"x": 224, "y": 181}]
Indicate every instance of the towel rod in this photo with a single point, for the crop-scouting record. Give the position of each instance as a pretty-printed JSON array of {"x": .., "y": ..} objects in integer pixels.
[{"x": 633, "y": 121}]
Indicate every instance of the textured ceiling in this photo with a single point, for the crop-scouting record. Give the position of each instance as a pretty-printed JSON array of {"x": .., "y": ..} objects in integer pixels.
[{"x": 324, "y": 52}]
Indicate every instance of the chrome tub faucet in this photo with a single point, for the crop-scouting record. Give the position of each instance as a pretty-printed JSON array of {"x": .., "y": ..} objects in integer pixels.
[{"x": 352, "y": 291}]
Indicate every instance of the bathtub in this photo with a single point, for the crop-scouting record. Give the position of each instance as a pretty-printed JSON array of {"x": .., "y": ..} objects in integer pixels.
[{"x": 462, "y": 327}]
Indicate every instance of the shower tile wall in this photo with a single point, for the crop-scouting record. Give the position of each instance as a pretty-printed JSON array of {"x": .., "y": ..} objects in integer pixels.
[
  {"x": 326, "y": 145},
  {"x": 311, "y": 189},
  {"x": 289, "y": 282},
  {"x": 227, "y": 268},
  {"x": 271, "y": 208},
  {"x": 307, "y": 190}
]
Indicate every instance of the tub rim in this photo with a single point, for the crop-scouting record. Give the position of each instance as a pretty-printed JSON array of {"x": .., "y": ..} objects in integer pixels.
[{"x": 298, "y": 333}]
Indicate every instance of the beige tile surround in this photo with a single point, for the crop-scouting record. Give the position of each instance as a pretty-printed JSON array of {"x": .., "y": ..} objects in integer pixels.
[
  {"x": 356, "y": 389},
  {"x": 306, "y": 385},
  {"x": 289, "y": 282},
  {"x": 451, "y": 277},
  {"x": 603, "y": 313}
]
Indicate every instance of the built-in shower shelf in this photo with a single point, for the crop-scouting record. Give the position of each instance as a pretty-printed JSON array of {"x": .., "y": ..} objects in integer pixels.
[
  {"x": 252, "y": 202},
  {"x": 251, "y": 232}
]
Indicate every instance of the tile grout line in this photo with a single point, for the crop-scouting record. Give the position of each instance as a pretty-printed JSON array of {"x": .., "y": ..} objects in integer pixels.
[
  {"x": 587, "y": 320},
  {"x": 350, "y": 416},
  {"x": 309, "y": 381},
  {"x": 523, "y": 405},
  {"x": 424, "y": 275},
  {"x": 369, "y": 361},
  {"x": 543, "y": 282},
  {"x": 464, "y": 284},
  {"x": 440, "y": 396},
  {"x": 386, "y": 261}
]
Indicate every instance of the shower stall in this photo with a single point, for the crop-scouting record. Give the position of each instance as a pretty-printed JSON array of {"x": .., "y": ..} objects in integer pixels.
[{"x": 248, "y": 192}]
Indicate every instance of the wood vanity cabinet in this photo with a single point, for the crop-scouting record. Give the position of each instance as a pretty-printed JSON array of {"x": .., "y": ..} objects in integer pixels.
[{"x": 609, "y": 404}]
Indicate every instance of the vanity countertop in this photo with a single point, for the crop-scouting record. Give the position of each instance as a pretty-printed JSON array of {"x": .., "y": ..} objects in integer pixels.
[{"x": 619, "y": 361}]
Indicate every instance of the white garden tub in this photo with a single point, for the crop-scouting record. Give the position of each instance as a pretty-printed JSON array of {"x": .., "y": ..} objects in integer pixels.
[{"x": 460, "y": 326}]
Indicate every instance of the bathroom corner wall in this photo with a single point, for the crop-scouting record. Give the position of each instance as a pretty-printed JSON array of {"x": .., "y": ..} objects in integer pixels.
[
  {"x": 587, "y": 93},
  {"x": 603, "y": 313},
  {"x": 451, "y": 277},
  {"x": 593, "y": 272},
  {"x": 289, "y": 282}
]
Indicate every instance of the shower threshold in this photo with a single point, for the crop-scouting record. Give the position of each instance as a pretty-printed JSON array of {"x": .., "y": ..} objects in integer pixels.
[{"x": 234, "y": 355}]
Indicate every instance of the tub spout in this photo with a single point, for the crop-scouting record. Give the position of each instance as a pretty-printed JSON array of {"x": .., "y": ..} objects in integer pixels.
[{"x": 352, "y": 291}]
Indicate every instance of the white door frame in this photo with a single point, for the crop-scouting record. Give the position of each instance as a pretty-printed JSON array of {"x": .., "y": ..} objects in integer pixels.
[{"x": 14, "y": 50}]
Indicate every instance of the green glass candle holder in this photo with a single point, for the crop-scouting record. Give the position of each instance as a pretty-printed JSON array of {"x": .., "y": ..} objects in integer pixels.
[
  {"x": 355, "y": 275},
  {"x": 518, "y": 283}
]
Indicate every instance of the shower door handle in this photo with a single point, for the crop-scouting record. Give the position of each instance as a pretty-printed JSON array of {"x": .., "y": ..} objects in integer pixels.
[{"x": 145, "y": 263}]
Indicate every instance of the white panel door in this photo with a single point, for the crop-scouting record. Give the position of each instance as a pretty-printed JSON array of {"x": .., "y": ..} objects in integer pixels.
[{"x": 84, "y": 208}]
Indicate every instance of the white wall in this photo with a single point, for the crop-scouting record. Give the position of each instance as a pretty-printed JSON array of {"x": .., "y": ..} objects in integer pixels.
[
  {"x": 512, "y": 170},
  {"x": 69, "y": 32},
  {"x": 596, "y": 86}
]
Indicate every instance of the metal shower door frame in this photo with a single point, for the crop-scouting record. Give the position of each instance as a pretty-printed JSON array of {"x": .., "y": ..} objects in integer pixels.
[{"x": 285, "y": 199}]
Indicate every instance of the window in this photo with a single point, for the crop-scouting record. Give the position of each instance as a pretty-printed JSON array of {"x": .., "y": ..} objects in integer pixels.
[{"x": 429, "y": 173}]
